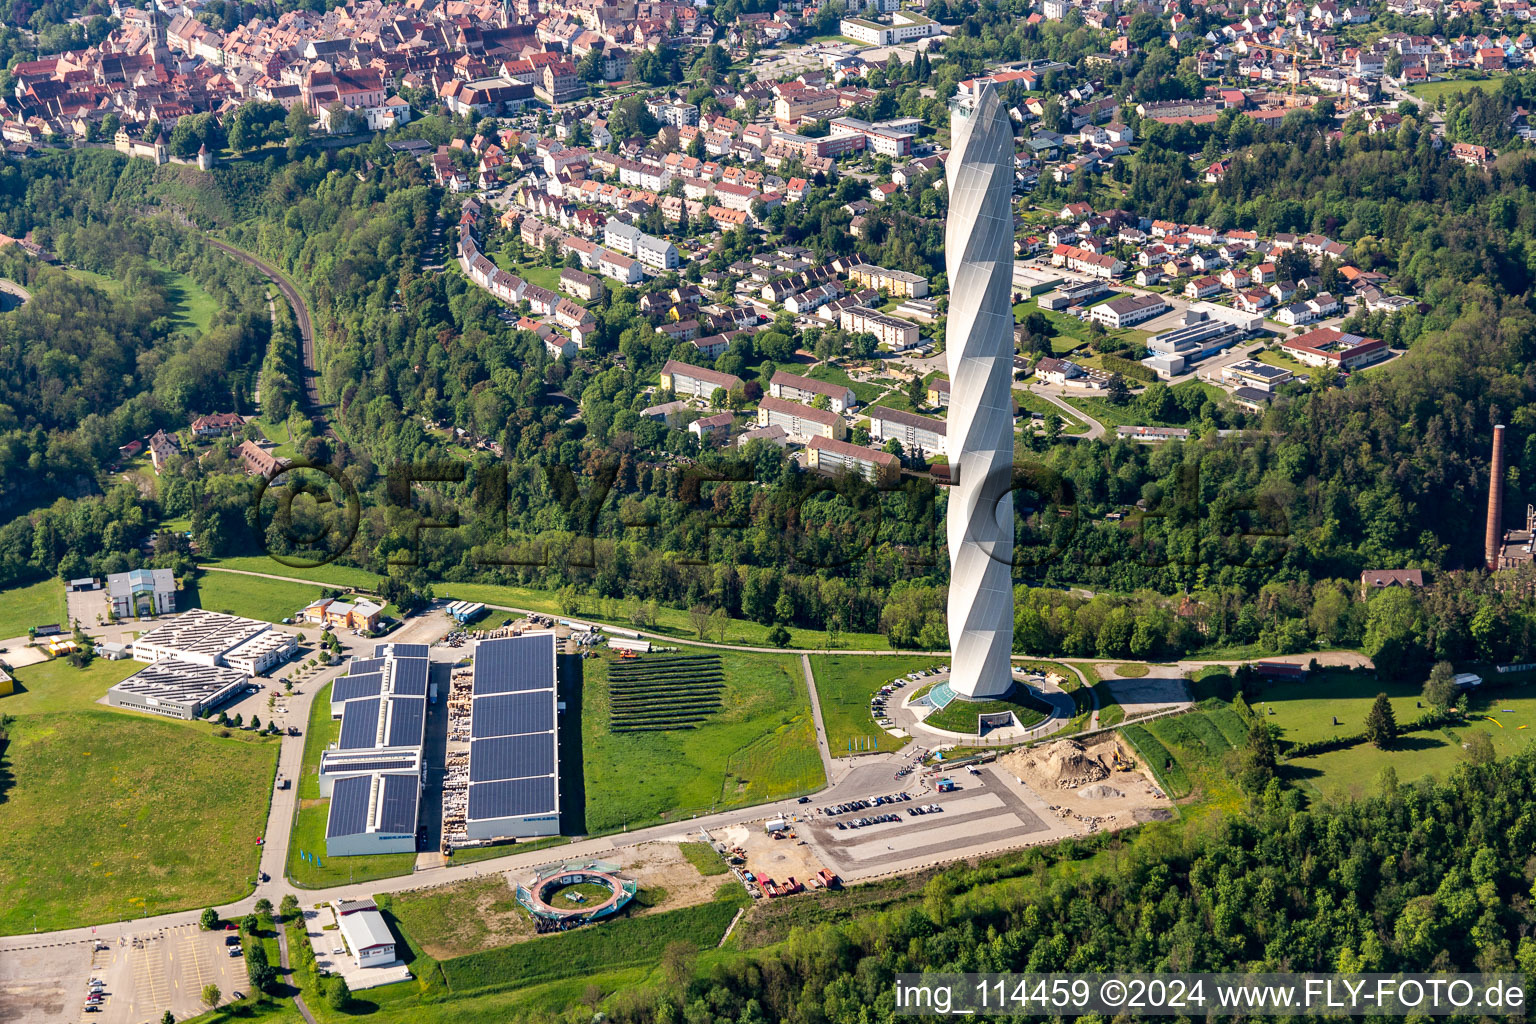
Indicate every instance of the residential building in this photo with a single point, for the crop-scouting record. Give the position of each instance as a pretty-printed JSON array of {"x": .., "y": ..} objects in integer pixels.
[
  {"x": 831, "y": 456},
  {"x": 794, "y": 388},
  {"x": 915, "y": 432},
  {"x": 800, "y": 422},
  {"x": 696, "y": 381}
]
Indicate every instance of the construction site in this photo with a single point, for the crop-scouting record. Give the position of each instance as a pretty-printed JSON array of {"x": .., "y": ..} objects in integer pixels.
[{"x": 1090, "y": 787}]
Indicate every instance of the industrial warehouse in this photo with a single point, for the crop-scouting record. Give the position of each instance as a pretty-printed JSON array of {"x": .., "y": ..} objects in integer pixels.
[
  {"x": 216, "y": 639},
  {"x": 199, "y": 660},
  {"x": 373, "y": 774},
  {"x": 177, "y": 689},
  {"x": 504, "y": 710}
]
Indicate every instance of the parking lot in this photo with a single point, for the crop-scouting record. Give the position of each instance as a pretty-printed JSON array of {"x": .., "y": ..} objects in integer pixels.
[
  {"x": 165, "y": 969},
  {"x": 988, "y": 811}
]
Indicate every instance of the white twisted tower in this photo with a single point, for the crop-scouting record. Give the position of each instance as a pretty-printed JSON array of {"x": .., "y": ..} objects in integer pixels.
[{"x": 979, "y": 341}]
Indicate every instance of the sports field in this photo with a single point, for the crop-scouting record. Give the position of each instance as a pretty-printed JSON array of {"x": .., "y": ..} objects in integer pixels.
[
  {"x": 760, "y": 745},
  {"x": 845, "y": 682}
]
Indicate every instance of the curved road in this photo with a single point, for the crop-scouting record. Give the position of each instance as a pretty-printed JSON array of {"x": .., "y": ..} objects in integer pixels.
[
  {"x": 312, "y": 401},
  {"x": 1095, "y": 428}
]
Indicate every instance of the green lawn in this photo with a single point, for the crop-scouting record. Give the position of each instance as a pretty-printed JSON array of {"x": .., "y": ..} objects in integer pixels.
[
  {"x": 34, "y": 605},
  {"x": 1304, "y": 711},
  {"x": 1111, "y": 415},
  {"x": 55, "y": 686},
  {"x": 1432, "y": 91},
  {"x": 113, "y": 816},
  {"x": 1072, "y": 333},
  {"x": 845, "y": 682},
  {"x": 834, "y": 374},
  {"x": 191, "y": 305},
  {"x": 309, "y": 826},
  {"x": 670, "y": 621},
  {"x": 1031, "y": 402},
  {"x": 332, "y": 575},
  {"x": 537, "y": 272},
  {"x": 761, "y": 746},
  {"x": 704, "y": 857},
  {"x": 280, "y": 434},
  {"x": 253, "y": 597},
  {"x": 961, "y": 715},
  {"x": 1280, "y": 359}
]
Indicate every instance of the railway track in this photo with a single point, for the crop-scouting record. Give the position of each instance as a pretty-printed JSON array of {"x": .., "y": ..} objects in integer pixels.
[{"x": 312, "y": 404}]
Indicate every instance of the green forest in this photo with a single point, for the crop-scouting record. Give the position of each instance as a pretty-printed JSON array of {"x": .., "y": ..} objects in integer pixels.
[{"x": 1252, "y": 539}]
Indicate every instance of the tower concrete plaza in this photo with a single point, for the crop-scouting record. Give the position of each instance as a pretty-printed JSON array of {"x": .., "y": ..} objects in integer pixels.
[{"x": 979, "y": 344}]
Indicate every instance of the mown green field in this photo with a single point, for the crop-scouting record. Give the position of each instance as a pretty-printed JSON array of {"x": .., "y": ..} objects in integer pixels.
[
  {"x": 673, "y": 622},
  {"x": 1352, "y": 772},
  {"x": 112, "y": 815},
  {"x": 331, "y": 575},
  {"x": 845, "y": 682},
  {"x": 1432, "y": 91},
  {"x": 251, "y": 596},
  {"x": 191, "y": 305},
  {"x": 760, "y": 746},
  {"x": 34, "y": 605},
  {"x": 54, "y": 686},
  {"x": 1305, "y": 711}
]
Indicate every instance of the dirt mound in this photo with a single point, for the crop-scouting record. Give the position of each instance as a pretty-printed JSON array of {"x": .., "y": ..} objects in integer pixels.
[
  {"x": 1066, "y": 764},
  {"x": 1099, "y": 791}
]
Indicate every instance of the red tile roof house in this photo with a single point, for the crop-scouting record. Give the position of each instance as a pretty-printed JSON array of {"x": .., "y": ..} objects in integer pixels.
[{"x": 217, "y": 424}]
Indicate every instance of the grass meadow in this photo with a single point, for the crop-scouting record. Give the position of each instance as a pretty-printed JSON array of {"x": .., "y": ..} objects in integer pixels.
[
  {"x": 111, "y": 814},
  {"x": 845, "y": 682},
  {"x": 760, "y": 746}
]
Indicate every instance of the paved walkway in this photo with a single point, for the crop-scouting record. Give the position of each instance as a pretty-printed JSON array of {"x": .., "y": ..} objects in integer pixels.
[
  {"x": 1095, "y": 428},
  {"x": 822, "y": 746}
]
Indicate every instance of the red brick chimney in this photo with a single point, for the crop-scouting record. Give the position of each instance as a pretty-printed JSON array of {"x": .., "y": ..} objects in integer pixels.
[{"x": 1493, "y": 537}]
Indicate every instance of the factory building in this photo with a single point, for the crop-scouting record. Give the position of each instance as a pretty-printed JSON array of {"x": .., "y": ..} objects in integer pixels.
[
  {"x": 513, "y": 780},
  {"x": 214, "y": 639},
  {"x": 177, "y": 689},
  {"x": 373, "y": 773}
]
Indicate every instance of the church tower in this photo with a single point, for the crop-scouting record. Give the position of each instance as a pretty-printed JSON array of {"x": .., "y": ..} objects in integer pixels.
[{"x": 157, "y": 45}]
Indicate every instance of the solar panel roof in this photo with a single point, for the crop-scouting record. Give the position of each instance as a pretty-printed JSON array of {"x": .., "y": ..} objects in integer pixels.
[
  {"x": 334, "y": 767},
  {"x": 511, "y": 713},
  {"x": 365, "y": 665},
  {"x": 512, "y": 757},
  {"x": 360, "y": 724},
  {"x": 400, "y": 650},
  {"x": 349, "y": 806},
  {"x": 410, "y": 676},
  {"x": 352, "y": 687},
  {"x": 515, "y": 663},
  {"x": 515, "y": 797},
  {"x": 407, "y": 721},
  {"x": 397, "y": 803}
]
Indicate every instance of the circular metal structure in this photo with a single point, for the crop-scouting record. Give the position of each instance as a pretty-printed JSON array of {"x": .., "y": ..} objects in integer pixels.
[{"x": 536, "y": 894}]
